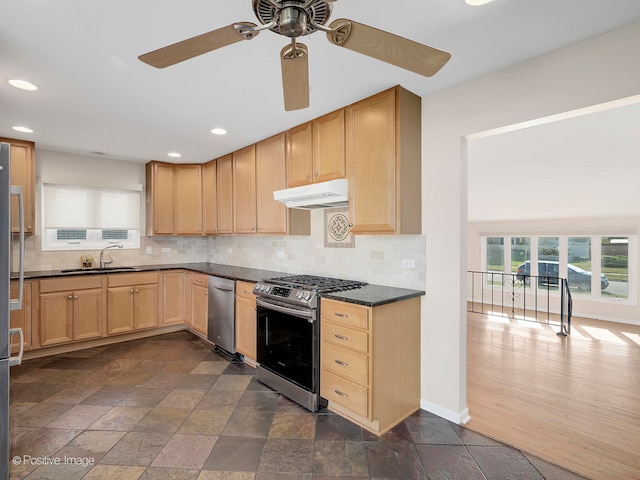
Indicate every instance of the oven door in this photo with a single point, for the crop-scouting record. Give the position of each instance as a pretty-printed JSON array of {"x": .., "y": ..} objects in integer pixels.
[{"x": 288, "y": 342}]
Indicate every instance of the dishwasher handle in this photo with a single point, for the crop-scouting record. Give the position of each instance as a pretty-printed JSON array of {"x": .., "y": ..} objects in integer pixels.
[{"x": 222, "y": 287}]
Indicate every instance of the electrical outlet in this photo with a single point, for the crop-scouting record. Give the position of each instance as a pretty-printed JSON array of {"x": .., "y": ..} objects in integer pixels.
[
  {"x": 229, "y": 250},
  {"x": 149, "y": 250},
  {"x": 166, "y": 250},
  {"x": 408, "y": 263},
  {"x": 280, "y": 254}
]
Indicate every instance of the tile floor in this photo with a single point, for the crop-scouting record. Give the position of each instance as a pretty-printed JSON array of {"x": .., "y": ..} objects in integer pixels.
[{"x": 168, "y": 407}]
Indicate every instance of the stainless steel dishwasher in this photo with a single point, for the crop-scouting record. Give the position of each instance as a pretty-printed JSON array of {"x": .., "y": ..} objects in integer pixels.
[{"x": 221, "y": 324}]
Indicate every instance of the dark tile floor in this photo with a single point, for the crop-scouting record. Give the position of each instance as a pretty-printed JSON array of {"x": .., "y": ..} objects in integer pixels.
[{"x": 167, "y": 407}]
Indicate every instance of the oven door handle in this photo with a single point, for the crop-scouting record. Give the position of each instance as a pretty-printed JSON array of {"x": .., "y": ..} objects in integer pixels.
[{"x": 290, "y": 311}]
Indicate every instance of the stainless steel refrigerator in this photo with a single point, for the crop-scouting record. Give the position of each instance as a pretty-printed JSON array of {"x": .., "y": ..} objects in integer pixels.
[{"x": 6, "y": 302}]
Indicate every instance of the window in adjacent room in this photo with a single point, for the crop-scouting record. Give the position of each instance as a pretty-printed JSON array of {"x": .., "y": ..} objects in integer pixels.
[
  {"x": 76, "y": 217},
  {"x": 614, "y": 257}
]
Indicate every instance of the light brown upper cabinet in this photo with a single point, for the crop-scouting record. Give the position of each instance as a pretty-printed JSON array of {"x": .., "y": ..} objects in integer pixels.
[
  {"x": 244, "y": 190},
  {"x": 271, "y": 215},
  {"x": 188, "y": 199},
  {"x": 210, "y": 197},
  {"x": 316, "y": 150},
  {"x": 383, "y": 163},
  {"x": 224, "y": 171},
  {"x": 22, "y": 174},
  {"x": 160, "y": 198}
]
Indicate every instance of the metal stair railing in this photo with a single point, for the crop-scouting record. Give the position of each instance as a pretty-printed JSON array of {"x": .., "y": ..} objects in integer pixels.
[{"x": 542, "y": 299}]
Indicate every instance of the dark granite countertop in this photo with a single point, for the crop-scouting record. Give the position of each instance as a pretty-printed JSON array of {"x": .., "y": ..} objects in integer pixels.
[
  {"x": 369, "y": 295},
  {"x": 374, "y": 295}
]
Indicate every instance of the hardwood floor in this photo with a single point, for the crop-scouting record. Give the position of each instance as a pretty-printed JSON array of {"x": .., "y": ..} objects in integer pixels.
[{"x": 573, "y": 401}]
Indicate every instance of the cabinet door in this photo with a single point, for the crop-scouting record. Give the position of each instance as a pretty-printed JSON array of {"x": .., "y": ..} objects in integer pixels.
[
  {"x": 224, "y": 173},
  {"x": 199, "y": 308},
  {"x": 244, "y": 190},
  {"x": 87, "y": 314},
  {"x": 21, "y": 318},
  {"x": 299, "y": 155},
  {"x": 371, "y": 164},
  {"x": 210, "y": 198},
  {"x": 329, "y": 147},
  {"x": 160, "y": 198},
  {"x": 173, "y": 295},
  {"x": 246, "y": 333},
  {"x": 119, "y": 309},
  {"x": 22, "y": 174},
  {"x": 145, "y": 306},
  {"x": 188, "y": 199},
  {"x": 270, "y": 176},
  {"x": 56, "y": 318}
]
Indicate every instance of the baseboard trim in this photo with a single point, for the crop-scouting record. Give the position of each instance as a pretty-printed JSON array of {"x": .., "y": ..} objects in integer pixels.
[{"x": 456, "y": 417}]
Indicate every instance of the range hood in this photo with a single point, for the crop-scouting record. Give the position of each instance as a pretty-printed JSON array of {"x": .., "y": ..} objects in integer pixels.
[{"x": 333, "y": 193}]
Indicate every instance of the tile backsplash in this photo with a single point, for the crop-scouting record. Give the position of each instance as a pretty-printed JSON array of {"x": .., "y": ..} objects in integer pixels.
[{"x": 375, "y": 258}]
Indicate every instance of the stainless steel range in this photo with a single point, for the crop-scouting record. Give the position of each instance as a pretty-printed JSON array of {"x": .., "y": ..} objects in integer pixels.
[{"x": 288, "y": 323}]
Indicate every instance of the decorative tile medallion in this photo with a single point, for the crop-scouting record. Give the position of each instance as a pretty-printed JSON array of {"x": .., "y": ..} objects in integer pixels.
[{"x": 336, "y": 228}]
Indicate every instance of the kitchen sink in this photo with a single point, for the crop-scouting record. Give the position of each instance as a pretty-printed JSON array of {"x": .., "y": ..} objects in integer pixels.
[{"x": 101, "y": 270}]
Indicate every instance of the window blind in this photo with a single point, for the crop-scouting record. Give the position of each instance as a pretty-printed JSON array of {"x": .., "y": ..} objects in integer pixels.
[{"x": 70, "y": 206}]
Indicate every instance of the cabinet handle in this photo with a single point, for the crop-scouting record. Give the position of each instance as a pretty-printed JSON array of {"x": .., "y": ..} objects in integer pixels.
[
  {"x": 75, "y": 297},
  {"x": 340, "y": 337},
  {"x": 315, "y": 175},
  {"x": 131, "y": 291},
  {"x": 135, "y": 291},
  {"x": 343, "y": 315},
  {"x": 308, "y": 177},
  {"x": 340, "y": 362},
  {"x": 341, "y": 393}
]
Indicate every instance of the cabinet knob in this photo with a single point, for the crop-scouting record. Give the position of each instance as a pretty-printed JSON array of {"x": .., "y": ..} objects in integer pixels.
[
  {"x": 315, "y": 174},
  {"x": 131, "y": 291},
  {"x": 156, "y": 229},
  {"x": 308, "y": 177},
  {"x": 135, "y": 291},
  {"x": 75, "y": 297},
  {"x": 70, "y": 297}
]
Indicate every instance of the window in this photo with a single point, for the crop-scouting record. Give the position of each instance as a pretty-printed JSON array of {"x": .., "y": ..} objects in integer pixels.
[
  {"x": 595, "y": 266},
  {"x": 614, "y": 257},
  {"x": 86, "y": 217}
]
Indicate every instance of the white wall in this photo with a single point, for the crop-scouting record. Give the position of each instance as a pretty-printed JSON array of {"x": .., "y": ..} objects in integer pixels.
[{"x": 597, "y": 70}]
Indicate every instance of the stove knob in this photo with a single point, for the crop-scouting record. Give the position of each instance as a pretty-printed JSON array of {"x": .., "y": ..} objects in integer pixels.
[
  {"x": 267, "y": 288},
  {"x": 307, "y": 295},
  {"x": 299, "y": 295}
]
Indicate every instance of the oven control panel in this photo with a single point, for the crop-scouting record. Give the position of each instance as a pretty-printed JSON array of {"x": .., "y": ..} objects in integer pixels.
[{"x": 292, "y": 294}]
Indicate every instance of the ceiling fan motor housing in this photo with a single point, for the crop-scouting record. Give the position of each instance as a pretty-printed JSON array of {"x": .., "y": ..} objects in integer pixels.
[{"x": 291, "y": 19}]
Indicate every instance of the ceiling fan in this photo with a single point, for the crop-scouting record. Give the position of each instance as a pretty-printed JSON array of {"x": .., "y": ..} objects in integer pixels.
[{"x": 294, "y": 18}]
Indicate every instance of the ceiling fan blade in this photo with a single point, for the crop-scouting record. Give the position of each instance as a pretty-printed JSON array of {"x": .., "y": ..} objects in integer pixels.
[
  {"x": 192, "y": 47},
  {"x": 295, "y": 76},
  {"x": 387, "y": 47}
]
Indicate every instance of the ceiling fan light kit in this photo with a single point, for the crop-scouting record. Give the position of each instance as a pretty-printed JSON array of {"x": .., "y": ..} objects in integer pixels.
[{"x": 295, "y": 18}]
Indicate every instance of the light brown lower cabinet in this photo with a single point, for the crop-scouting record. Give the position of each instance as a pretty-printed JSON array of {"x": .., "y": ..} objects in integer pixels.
[
  {"x": 173, "y": 297},
  {"x": 132, "y": 302},
  {"x": 246, "y": 328},
  {"x": 370, "y": 361},
  {"x": 71, "y": 309},
  {"x": 199, "y": 303}
]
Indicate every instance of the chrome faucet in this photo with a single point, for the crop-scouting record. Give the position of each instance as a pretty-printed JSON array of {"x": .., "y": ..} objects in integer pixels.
[{"x": 103, "y": 262}]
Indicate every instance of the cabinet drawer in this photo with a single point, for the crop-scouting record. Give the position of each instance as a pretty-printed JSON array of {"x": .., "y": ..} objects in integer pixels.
[
  {"x": 123, "y": 280},
  {"x": 346, "y": 313},
  {"x": 348, "y": 394},
  {"x": 345, "y": 362},
  {"x": 201, "y": 280},
  {"x": 345, "y": 336},
  {"x": 70, "y": 284},
  {"x": 245, "y": 290}
]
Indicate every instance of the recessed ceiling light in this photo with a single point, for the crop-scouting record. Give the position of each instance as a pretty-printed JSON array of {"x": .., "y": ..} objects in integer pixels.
[
  {"x": 174, "y": 154},
  {"x": 22, "y": 129},
  {"x": 22, "y": 84},
  {"x": 219, "y": 131},
  {"x": 475, "y": 3}
]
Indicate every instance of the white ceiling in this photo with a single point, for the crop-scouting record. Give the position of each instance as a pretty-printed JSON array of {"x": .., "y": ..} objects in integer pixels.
[
  {"x": 582, "y": 166},
  {"x": 96, "y": 96}
]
